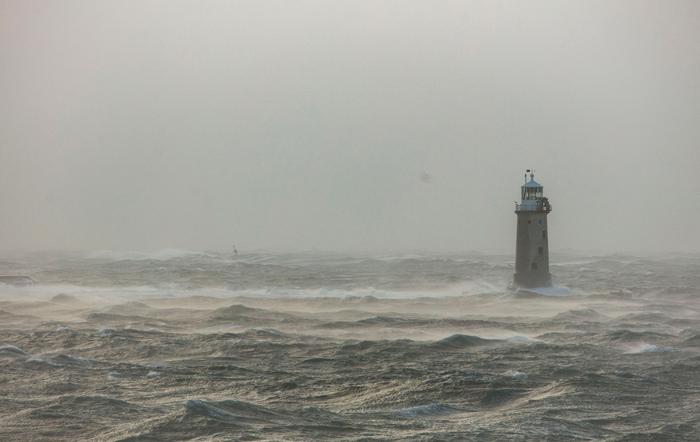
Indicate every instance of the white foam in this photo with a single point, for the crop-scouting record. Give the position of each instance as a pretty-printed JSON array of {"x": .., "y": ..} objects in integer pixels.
[
  {"x": 548, "y": 291},
  {"x": 517, "y": 375},
  {"x": 105, "y": 332},
  {"x": 647, "y": 348}
]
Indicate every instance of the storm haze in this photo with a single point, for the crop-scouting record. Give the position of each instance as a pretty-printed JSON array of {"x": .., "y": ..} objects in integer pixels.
[{"x": 349, "y": 125}]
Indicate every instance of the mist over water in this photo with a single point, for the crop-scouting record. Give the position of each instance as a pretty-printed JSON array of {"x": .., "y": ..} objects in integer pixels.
[
  {"x": 335, "y": 144},
  {"x": 179, "y": 273}
]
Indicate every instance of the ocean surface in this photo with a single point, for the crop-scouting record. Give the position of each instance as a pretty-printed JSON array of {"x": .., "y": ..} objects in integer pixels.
[{"x": 183, "y": 345}]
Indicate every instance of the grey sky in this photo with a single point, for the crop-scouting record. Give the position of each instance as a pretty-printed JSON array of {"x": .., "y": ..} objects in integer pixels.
[{"x": 296, "y": 125}]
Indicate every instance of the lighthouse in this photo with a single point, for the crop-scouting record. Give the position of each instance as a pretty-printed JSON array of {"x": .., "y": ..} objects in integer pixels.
[{"x": 531, "y": 246}]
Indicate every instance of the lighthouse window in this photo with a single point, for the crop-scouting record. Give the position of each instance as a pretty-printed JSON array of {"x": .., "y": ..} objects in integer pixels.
[
  {"x": 540, "y": 251},
  {"x": 539, "y": 221},
  {"x": 534, "y": 266},
  {"x": 544, "y": 234}
]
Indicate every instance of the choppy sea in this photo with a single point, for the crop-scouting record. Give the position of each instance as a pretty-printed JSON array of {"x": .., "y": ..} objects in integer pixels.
[{"x": 187, "y": 345}]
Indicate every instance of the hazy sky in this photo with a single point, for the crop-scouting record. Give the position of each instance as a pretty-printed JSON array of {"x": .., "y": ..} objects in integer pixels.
[{"x": 347, "y": 125}]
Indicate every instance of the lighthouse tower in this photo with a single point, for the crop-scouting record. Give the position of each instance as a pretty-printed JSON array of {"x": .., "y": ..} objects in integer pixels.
[{"x": 531, "y": 249}]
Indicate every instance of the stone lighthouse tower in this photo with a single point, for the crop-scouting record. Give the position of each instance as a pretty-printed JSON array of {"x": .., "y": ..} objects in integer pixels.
[{"x": 531, "y": 249}]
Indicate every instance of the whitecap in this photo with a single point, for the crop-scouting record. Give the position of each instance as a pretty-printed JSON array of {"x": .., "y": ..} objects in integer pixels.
[
  {"x": 12, "y": 350},
  {"x": 105, "y": 332},
  {"x": 521, "y": 339},
  {"x": 517, "y": 375},
  {"x": 647, "y": 348}
]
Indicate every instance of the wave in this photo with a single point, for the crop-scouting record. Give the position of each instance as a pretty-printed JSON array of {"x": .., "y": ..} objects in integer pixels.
[
  {"x": 459, "y": 341},
  {"x": 203, "y": 419},
  {"x": 96, "y": 407},
  {"x": 497, "y": 396},
  {"x": 231, "y": 411},
  {"x": 65, "y": 294},
  {"x": 517, "y": 375},
  {"x": 64, "y": 360},
  {"x": 634, "y": 337},
  {"x": 12, "y": 351},
  {"x": 425, "y": 410},
  {"x": 643, "y": 347},
  {"x": 581, "y": 315}
]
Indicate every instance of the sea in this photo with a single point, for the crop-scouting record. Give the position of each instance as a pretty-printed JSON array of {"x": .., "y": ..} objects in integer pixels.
[{"x": 218, "y": 346}]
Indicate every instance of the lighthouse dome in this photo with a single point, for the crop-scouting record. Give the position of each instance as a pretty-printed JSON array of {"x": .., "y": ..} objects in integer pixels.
[{"x": 532, "y": 194}]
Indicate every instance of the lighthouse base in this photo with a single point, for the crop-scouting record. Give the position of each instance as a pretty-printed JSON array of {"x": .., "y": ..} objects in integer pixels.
[{"x": 532, "y": 279}]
